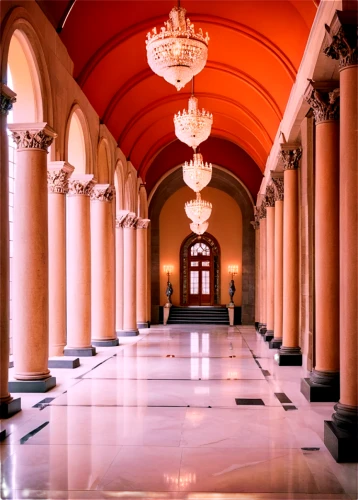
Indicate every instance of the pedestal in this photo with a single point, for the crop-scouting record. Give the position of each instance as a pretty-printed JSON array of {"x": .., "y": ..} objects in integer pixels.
[
  {"x": 166, "y": 312},
  {"x": 43, "y": 385}
]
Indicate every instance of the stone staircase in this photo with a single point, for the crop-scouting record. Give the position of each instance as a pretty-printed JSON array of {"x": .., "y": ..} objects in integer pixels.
[{"x": 209, "y": 315}]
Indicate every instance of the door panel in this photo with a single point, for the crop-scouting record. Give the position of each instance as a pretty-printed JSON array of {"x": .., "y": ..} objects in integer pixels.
[{"x": 200, "y": 275}]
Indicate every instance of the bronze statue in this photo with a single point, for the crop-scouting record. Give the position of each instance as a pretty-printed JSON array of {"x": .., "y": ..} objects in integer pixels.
[
  {"x": 169, "y": 292},
  {"x": 232, "y": 291}
]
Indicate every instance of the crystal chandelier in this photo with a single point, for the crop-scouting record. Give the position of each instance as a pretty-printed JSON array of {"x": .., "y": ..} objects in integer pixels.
[
  {"x": 197, "y": 174},
  {"x": 193, "y": 126},
  {"x": 177, "y": 53},
  {"x": 199, "y": 228},
  {"x": 198, "y": 210}
]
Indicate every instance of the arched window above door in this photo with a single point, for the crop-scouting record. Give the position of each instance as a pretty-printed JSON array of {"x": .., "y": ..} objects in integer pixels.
[{"x": 199, "y": 249}]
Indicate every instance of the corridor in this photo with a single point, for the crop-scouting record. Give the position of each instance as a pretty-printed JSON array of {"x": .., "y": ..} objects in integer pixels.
[{"x": 176, "y": 413}]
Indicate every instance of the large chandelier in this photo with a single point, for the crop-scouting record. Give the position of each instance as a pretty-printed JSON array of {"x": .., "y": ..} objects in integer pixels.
[
  {"x": 177, "y": 53},
  {"x": 197, "y": 174},
  {"x": 199, "y": 228},
  {"x": 198, "y": 210},
  {"x": 193, "y": 126}
]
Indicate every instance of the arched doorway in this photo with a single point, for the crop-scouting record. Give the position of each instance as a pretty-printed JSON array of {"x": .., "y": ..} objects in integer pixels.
[{"x": 200, "y": 271}]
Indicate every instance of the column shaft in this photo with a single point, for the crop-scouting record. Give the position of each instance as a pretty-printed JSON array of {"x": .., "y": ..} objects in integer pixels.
[
  {"x": 142, "y": 287},
  {"x": 263, "y": 263},
  {"x": 270, "y": 263},
  {"x": 257, "y": 275},
  {"x": 278, "y": 276},
  {"x": 129, "y": 276}
]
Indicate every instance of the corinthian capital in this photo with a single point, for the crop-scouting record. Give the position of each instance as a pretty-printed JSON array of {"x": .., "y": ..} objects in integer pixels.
[
  {"x": 32, "y": 135},
  {"x": 261, "y": 211},
  {"x": 7, "y": 99},
  {"x": 58, "y": 173},
  {"x": 270, "y": 196},
  {"x": 143, "y": 223},
  {"x": 81, "y": 184},
  {"x": 323, "y": 100},
  {"x": 120, "y": 216},
  {"x": 341, "y": 39},
  {"x": 279, "y": 188},
  {"x": 290, "y": 156},
  {"x": 130, "y": 221},
  {"x": 102, "y": 192}
]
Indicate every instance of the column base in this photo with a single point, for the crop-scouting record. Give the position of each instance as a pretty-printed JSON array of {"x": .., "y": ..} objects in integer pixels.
[
  {"x": 341, "y": 435},
  {"x": 2, "y": 435},
  {"x": 11, "y": 364},
  {"x": 127, "y": 333},
  {"x": 105, "y": 343},
  {"x": 275, "y": 343},
  {"x": 80, "y": 351},
  {"x": 262, "y": 329},
  {"x": 43, "y": 385},
  {"x": 321, "y": 387},
  {"x": 269, "y": 335},
  {"x": 289, "y": 356},
  {"x": 9, "y": 409},
  {"x": 145, "y": 324},
  {"x": 62, "y": 362}
]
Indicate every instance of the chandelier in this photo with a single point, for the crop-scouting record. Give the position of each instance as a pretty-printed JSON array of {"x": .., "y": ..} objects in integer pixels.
[
  {"x": 193, "y": 126},
  {"x": 177, "y": 53},
  {"x": 199, "y": 228},
  {"x": 198, "y": 210},
  {"x": 197, "y": 174}
]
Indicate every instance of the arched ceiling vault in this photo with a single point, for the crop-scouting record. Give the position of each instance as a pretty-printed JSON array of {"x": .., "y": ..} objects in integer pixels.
[{"x": 255, "y": 50}]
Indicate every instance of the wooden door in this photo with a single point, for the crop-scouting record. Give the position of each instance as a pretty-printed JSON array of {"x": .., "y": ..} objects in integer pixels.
[{"x": 200, "y": 275}]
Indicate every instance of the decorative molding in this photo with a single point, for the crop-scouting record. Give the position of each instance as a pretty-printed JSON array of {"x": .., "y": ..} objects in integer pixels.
[
  {"x": 261, "y": 211},
  {"x": 130, "y": 221},
  {"x": 32, "y": 135},
  {"x": 290, "y": 156},
  {"x": 341, "y": 39},
  {"x": 270, "y": 196},
  {"x": 143, "y": 223},
  {"x": 58, "y": 173},
  {"x": 81, "y": 184},
  {"x": 279, "y": 188},
  {"x": 120, "y": 216},
  {"x": 324, "y": 104},
  {"x": 102, "y": 192},
  {"x": 7, "y": 99}
]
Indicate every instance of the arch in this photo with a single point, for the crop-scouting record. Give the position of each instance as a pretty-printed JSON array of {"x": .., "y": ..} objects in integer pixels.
[
  {"x": 18, "y": 23},
  {"x": 214, "y": 246},
  {"x": 103, "y": 169},
  {"x": 129, "y": 194},
  {"x": 78, "y": 151},
  {"x": 119, "y": 184},
  {"x": 142, "y": 201}
]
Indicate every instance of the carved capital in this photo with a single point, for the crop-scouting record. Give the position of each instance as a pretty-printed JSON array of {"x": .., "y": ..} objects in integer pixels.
[
  {"x": 143, "y": 223},
  {"x": 58, "y": 173},
  {"x": 81, "y": 184},
  {"x": 279, "y": 188},
  {"x": 341, "y": 39},
  {"x": 290, "y": 156},
  {"x": 324, "y": 103},
  {"x": 32, "y": 135},
  {"x": 270, "y": 196},
  {"x": 255, "y": 224},
  {"x": 261, "y": 211},
  {"x": 7, "y": 99},
  {"x": 102, "y": 192},
  {"x": 130, "y": 221},
  {"x": 120, "y": 216}
]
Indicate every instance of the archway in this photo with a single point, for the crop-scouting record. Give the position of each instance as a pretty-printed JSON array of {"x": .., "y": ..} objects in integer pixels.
[
  {"x": 200, "y": 270},
  {"x": 76, "y": 151}
]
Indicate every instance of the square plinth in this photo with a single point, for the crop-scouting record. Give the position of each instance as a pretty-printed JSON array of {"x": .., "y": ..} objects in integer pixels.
[
  {"x": 81, "y": 352},
  {"x": 127, "y": 333},
  {"x": 105, "y": 343},
  {"x": 315, "y": 393},
  {"x": 2, "y": 435},
  {"x": 63, "y": 362},
  {"x": 275, "y": 344},
  {"x": 43, "y": 385},
  {"x": 143, "y": 325},
  {"x": 342, "y": 445},
  {"x": 10, "y": 408},
  {"x": 269, "y": 335},
  {"x": 284, "y": 359}
]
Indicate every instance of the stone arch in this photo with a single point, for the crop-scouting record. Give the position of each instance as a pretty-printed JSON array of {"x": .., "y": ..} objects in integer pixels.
[
  {"x": 142, "y": 201},
  {"x": 102, "y": 172},
  {"x": 119, "y": 186},
  {"x": 130, "y": 194},
  {"x": 78, "y": 150}
]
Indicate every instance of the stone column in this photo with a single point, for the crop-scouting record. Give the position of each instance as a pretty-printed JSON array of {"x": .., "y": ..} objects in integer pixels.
[
  {"x": 290, "y": 352},
  {"x": 270, "y": 261},
  {"x": 79, "y": 266},
  {"x": 102, "y": 267},
  {"x": 276, "y": 342},
  {"x": 142, "y": 286},
  {"x": 256, "y": 226},
  {"x": 129, "y": 276},
  {"x": 262, "y": 218},
  {"x": 323, "y": 384},
  {"x": 8, "y": 405},
  {"x": 341, "y": 435},
  {"x": 58, "y": 173},
  {"x": 120, "y": 217},
  {"x": 30, "y": 261}
]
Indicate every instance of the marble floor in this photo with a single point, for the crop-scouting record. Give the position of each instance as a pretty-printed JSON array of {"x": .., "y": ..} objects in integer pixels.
[{"x": 189, "y": 412}]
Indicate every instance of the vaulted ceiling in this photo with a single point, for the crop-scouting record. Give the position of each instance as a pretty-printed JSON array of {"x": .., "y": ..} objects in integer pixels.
[{"x": 255, "y": 50}]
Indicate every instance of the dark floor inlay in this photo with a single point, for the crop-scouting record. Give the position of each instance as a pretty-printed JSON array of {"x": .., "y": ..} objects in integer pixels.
[
  {"x": 289, "y": 407},
  {"x": 281, "y": 396},
  {"x": 170, "y": 356},
  {"x": 249, "y": 402},
  {"x": 32, "y": 433},
  {"x": 310, "y": 449},
  {"x": 266, "y": 373},
  {"x": 43, "y": 402}
]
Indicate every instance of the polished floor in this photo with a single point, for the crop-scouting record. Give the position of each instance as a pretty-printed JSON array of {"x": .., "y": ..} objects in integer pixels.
[{"x": 194, "y": 412}]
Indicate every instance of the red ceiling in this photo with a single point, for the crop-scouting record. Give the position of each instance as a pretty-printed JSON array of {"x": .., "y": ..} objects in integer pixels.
[{"x": 255, "y": 50}]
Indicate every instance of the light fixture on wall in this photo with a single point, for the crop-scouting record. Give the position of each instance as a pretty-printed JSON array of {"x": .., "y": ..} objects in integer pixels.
[
  {"x": 198, "y": 210},
  {"x": 168, "y": 270},
  {"x": 196, "y": 173},
  {"x": 193, "y": 126},
  {"x": 199, "y": 228},
  {"x": 177, "y": 53},
  {"x": 233, "y": 270}
]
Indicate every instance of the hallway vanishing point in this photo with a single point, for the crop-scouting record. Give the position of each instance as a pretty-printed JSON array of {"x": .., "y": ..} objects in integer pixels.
[{"x": 175, "y": 413}]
